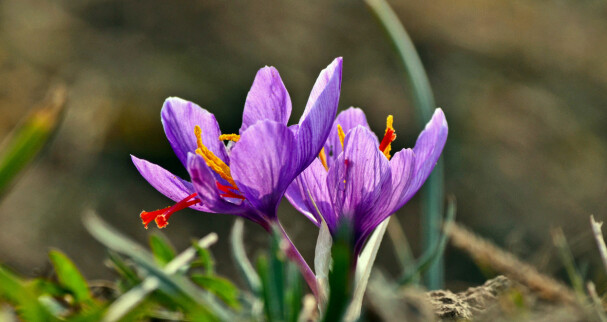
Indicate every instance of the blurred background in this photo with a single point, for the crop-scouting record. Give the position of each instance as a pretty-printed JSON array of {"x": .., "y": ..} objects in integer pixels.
[{"x": 523, "y": 85}]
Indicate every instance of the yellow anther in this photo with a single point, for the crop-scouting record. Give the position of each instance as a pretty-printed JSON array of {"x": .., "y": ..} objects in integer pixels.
[
  {"x": 389, "y": 123},
  {"x": 323, "y": 158},
  {"x": 198, "y": 133},
  {"x": 229, "y": 137},
  {"x": 215, "y": 163},
  {"x": 341, "y": 134}
]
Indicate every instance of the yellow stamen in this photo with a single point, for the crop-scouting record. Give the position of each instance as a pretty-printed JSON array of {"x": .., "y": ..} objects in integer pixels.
[
  {"x": 229, "y": 137},
  {"x": 389, "y": 123},
  {"x": 323, "y": 158},
  {"x": 215, "y": 163},
  {"x": 341, "y": 134}
]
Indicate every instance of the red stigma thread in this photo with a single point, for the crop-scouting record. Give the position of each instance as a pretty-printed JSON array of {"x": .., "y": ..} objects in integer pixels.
[
  {"x": 386, "y": 143},
  {"x": 228, "y": 191},
  {"x": 162, "y": 216},
  {"x": 388, "y": 138}
]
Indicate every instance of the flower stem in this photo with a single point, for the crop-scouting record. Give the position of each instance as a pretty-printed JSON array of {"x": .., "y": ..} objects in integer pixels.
[{"x": 294, "y": 255}]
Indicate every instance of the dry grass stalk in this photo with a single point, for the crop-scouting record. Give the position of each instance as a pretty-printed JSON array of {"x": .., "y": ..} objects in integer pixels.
[
  {"x": 506, "y": 263},
  {"x": 600, "y": 240},
  {"x": 596, "y": 301}
]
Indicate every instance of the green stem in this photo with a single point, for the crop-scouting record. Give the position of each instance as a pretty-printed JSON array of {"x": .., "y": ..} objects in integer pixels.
[
  {"x": 433, "y": 193},
  {"x": 294, "y": 255}
]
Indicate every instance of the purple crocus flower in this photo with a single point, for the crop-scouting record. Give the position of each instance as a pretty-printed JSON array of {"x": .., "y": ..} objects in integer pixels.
[
  {"x": 248, "y": 177},
  {"x": 355, "y": 181}
]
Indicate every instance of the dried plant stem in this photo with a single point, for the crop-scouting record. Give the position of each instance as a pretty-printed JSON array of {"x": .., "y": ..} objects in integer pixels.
[
  {"x": 596, "y": 301},
  {"x": 506, "y": 263},
  {"x": 600, "y": 240}
]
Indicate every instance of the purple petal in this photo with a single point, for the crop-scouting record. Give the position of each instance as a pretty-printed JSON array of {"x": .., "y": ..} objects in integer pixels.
[
  {"x": 165, "y": 182},
  {"x": 366, "y": 173},
  {"x": 402, "y": 166},
  {"x": 317, "y": 119},
  {"x": 312, "y": 182},
  {"x": 268, "y": 99},
  {"x": 428, "y": 149},
  {"x": 348, "y": 119},
  {"x": 324, "y": 78},
  {"x": 263, "y": 164},
  {"x": 205, "y": 184},
  {"x": 294, "y": 128},
  {"x": 179, "y": 117}
]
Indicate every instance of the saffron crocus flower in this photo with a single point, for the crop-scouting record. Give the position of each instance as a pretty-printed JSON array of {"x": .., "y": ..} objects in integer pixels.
[
  {"x": 356, "y": 182},
  {"x": 249, "y": 177}
]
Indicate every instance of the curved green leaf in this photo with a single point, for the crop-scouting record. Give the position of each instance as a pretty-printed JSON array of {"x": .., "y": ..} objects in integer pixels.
[
  {"x": 161, "y": 249},
  {"x": 221, "y": 287},
  {"x": 70, "y": 277}
]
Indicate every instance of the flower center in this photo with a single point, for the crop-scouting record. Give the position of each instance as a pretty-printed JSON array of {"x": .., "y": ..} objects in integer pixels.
[
  {"x": 217, "y": 165},
  {"x": 385, "y": 145},
  {"x": 389, "y": 136},
  {"x": 161, "y": 216}
]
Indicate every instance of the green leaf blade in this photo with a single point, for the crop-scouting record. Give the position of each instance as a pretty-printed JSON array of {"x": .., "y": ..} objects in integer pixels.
[
  {"x": 15, "y": 291},
  {"x": 27, "y": 140},
  {"x": 70, "y": 277},
  {"x": 162, "y": 250},
  {"x": 221, "y": 287}
]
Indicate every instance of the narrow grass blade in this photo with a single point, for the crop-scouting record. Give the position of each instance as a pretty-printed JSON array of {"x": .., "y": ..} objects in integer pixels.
[
  {"x": 270, "y": 302},
  {"x": 28, "y": 139},
  {"x": 70, "y": 277},
  {"x": 272, "y": 272},
  {"x": 161, "y": 248},
  {"x": 240, "y": 257},
  {"x": 221, "y": 287},
  {"x": 341, "y": 276},
  {"x": 205, "y": 260},
  {"x": 129, "y": 276},
  {"x": 426, "y": 260},
  {"x": 432, "y": 194},
  {"x": 401, "y": 247},
  {"x": 294, "y": 293},
  {"x": 560, "y": 242}
]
